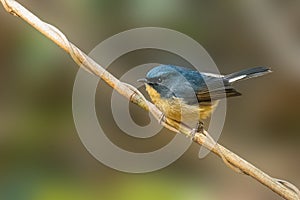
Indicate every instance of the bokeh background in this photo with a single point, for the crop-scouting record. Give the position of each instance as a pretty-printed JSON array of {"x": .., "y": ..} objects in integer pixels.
[{"x": 41, "y": 154}]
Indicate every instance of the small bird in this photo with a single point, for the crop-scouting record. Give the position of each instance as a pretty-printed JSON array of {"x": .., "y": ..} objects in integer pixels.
[{"x": 186, "y": 95}]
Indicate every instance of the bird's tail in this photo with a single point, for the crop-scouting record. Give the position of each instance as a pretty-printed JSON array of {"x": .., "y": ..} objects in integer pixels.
[{"x": 247, "y": 73}]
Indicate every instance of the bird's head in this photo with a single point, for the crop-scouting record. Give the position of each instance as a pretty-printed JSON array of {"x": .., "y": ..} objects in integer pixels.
[{"x": 163, "y": 78}]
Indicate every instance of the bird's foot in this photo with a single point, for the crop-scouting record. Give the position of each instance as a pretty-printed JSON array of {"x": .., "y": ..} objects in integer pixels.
[
  {"x": 162, "y": 118},
  {"x": 198, "y": 129}
]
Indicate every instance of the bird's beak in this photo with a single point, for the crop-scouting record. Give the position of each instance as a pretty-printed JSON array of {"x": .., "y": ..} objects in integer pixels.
[{"x": 142, "y": 80}]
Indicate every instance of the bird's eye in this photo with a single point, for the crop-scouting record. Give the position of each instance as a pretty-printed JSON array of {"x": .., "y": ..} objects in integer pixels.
[{"x": 159, "y": 80}]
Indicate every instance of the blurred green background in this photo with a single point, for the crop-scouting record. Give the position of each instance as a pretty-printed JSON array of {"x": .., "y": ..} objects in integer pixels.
[{"x": 41, "y": 154}]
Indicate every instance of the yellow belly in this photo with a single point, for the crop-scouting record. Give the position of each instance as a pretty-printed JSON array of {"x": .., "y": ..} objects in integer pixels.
[{"x": 176, "y": 109}]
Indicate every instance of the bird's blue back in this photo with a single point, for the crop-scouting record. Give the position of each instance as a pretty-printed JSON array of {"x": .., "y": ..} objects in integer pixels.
[{"x": 184, "y": 83}]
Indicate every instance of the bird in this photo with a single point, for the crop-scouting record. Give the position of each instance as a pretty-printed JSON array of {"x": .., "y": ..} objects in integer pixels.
[{"x": 188, "y": 96}]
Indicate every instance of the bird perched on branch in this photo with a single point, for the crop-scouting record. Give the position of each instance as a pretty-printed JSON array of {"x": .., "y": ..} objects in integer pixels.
[{"x": 186, "y": 95}]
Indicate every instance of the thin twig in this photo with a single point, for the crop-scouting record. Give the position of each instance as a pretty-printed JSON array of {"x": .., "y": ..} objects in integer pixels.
[{"x": 281, "y": 187}]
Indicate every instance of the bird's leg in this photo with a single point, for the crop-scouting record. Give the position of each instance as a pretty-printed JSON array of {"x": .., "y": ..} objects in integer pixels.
[
  {"x": 199, "y": 128},
  {"x": 161, "y": 118}
]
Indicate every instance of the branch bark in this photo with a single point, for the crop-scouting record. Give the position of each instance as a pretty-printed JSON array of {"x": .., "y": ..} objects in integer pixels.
[{"x": 281, "y": 187}]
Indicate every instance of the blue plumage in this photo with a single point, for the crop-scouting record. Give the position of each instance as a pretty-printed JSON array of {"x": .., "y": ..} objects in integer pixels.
[
  {"x": 193, "y": 86},
  {"x": 179, "y": 91}
]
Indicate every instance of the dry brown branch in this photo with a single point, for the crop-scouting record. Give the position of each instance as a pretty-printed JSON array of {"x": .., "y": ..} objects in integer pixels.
[{"x": 281, "y": 187}]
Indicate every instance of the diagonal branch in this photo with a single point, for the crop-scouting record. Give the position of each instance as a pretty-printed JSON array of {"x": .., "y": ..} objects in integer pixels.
[{"x": 281, "y": 187}]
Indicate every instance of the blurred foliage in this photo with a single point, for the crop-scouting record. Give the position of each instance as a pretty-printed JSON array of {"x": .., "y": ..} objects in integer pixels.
[{"x": 41, "y": 155}]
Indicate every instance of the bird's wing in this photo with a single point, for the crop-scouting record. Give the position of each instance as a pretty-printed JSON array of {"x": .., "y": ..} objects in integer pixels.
[
  {"x": 215, "y": 94},
  {"x": 208, "y": 87}
]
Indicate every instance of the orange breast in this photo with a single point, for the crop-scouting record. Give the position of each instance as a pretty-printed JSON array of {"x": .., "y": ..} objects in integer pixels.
[{"x": 177, "y": 109}]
